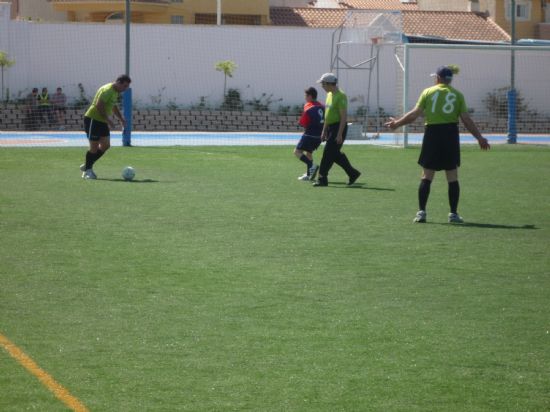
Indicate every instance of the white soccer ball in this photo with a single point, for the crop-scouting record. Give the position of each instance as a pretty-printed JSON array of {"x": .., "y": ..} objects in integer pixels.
[{"x": 128, "y": 173}]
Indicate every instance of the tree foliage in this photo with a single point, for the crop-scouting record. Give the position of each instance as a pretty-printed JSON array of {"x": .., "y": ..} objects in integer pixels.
[
  {"x": 5, "y": 63},
  {"x": 228, "y": 68}
]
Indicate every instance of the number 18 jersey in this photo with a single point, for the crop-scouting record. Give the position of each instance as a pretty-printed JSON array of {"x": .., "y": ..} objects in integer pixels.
[{"x": 441, "y": 104}]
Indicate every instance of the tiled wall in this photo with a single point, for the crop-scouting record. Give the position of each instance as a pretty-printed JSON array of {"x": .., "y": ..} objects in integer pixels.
[{"x": 13, "y": 118}]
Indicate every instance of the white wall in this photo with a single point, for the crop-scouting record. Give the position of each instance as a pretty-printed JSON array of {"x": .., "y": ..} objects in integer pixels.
[
  {"x": 454, "y": 5},
  {"x": 177, "y": 63}
]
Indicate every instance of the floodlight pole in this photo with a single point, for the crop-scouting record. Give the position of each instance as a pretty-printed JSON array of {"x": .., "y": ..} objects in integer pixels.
[
  {"x": 512, "y": 94},
  {"x": 127, "y": 95}
]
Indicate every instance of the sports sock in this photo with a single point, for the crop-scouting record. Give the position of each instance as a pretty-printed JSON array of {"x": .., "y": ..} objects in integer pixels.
[
  {"x": 97, "y": 155},
  {"x": 308, "y": 162},
  {"x": 454, "y": 194},
  {"x": 89, "y": 160},
  {"x": 423, "y": 193}
]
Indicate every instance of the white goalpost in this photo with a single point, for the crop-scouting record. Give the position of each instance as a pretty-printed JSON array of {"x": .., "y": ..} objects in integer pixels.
[
  {"x": 383, "y": 75},
  {"x": 487, "y": 74}
]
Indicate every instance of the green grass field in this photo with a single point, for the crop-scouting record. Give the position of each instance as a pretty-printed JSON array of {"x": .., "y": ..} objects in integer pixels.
[{"x": 218, "y": 282}]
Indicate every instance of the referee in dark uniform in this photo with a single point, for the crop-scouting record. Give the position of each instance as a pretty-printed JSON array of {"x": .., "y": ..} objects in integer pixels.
[{"x": 441, "y": 105}]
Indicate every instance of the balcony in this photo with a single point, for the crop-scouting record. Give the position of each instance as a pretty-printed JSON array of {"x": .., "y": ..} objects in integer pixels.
[
  {"x": 100, "y": 11},
  {"x": 95, "y": 2}
]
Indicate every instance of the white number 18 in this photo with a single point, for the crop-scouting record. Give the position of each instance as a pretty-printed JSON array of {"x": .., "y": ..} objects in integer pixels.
[{"x": 449, "y": 106}]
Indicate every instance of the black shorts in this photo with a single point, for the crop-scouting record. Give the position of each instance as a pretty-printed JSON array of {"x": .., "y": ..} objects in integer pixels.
[
  {"x": 95, "y": 129},
  {"x": 440, "y": 147},
  {"x": 309, "y": 143}
]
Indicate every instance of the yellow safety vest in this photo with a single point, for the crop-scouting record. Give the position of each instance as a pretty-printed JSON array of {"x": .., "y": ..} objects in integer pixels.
[{"x": 43, "y": 100}]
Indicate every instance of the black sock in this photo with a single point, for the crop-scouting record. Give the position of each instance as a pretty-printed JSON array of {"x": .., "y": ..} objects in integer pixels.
[
  {"x": 423, "y": 193},
  {"x": 454, "y": 194},
  {"x": 308, "y": 162},
  {"x": 98, "y": 154},
  {"x": 89, "y": 160}
]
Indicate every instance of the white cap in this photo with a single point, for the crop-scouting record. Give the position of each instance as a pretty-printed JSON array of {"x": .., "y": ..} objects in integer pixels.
[{"x": 328, "y": 78}]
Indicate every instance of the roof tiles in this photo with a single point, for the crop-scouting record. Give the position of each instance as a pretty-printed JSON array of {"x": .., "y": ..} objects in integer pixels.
[
  {"x": 378, "y": 4},
  {"x": 458, "y": 25},
  {"x": 454, "y": 25},
  {"x": 309, "y": 17}
]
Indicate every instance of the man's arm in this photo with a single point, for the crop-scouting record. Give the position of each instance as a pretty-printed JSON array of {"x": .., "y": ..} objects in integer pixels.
[
  {"x": 100, "y": 106},
  {"x": 472, "y": 128},
  {"x": 120, "y": 116},
  {"x": 343, "y": 122},
  {"x": 324, "y": 132},
  {"x": 405, "y": 119}
]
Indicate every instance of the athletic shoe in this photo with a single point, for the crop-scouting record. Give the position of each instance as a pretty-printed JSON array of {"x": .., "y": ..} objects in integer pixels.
[
  {"x": 313, "y": 172},
  {"x": 420, "y": 217},
  {"x": 455, "y": 218},
  {"x": 83, "y": 167},
  {"x": 304, "y": 178},
  {"x": 89, "y": 175},
  {"x": 354, "y": 177},
  {"x": 321, "y": 183}
]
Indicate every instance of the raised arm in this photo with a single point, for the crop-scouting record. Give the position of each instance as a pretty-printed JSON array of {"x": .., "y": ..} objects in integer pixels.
[{"x": 405, "y": 119}]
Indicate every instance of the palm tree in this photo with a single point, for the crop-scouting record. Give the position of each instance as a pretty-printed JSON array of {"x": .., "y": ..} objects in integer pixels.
[
  {"x": 227, "y": 67},
  {"x": 4, "y": 64}
]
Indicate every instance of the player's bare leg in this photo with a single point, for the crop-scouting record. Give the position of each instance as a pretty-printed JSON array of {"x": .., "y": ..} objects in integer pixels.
[
  {"x": 307, "y": 158},
  {"x": 96, "y": 150}
]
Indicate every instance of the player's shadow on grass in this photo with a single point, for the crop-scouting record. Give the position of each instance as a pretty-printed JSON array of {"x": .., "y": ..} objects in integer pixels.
[
  {"x": 131, "y": 181},
  {"x": 343, "y": 185},
  {"x": 494, "y": 226}
]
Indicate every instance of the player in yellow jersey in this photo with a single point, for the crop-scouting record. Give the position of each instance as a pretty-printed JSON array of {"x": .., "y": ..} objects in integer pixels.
[
  {"x": 441, "y": 105},
  {"x": 97, "y": 122},
  {"x": 334, "y": 132}
]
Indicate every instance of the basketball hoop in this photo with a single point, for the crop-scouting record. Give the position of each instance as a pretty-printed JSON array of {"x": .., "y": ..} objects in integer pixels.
[{"x": 376, "y": 40}]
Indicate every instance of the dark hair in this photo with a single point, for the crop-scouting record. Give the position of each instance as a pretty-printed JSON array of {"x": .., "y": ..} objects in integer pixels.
[
  {"x": 445, "y": 74},
  {"x": 311, "y": 91},
  {"x": 123, "y": 78}
]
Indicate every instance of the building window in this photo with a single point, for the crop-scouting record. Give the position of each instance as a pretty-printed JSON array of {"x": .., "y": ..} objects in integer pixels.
[
  {"x": 242, "y": 19},
  {"x": 523, "y": 10},
  {"x": 117, "y": 17},
  {"x": 176, "y": 19}
]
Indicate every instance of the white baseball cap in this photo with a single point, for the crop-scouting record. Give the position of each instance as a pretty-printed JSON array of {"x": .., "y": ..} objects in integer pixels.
[{"x": 328, "y": 78}]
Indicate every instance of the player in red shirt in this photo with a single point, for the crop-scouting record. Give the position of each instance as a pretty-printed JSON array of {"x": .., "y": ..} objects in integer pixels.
[{"x": 312, "y": 120}]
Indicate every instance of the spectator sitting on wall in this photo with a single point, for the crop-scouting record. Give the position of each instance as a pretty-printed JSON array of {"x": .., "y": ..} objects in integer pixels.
[
  {"x": 31, "y": 110},
  {"x": 45, "y": 107},
  {"x": 59, "y": 102}
]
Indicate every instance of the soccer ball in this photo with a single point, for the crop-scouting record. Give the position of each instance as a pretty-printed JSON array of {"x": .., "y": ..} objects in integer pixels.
[{"x": 128, "y": 173}]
